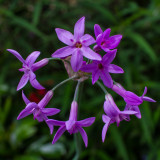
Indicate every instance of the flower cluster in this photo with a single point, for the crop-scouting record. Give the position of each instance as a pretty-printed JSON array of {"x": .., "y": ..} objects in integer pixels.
[{"x": 81, "y": 63}]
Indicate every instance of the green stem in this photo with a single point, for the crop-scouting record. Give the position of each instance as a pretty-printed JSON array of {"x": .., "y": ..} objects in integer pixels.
[
  {"x": 77, "y": 146},
  {"x": 76, "y": 91},
  {"x": 102, "y": 87},
  {"x": 66, "y": 80},
  {"x": 53, "y": 59}
]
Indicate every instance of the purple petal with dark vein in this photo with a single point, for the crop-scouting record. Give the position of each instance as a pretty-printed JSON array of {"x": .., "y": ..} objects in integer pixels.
[
  {"x": 23, "y": 81},
  {"x": 109, "y": 57},
  {"x": 106, "y": 33},
  {"x": 112, "y": 68},
  {"x": 132, "y": 99},
  {"x": 32, "y": 58},
  {"x": 55, "y": 122},
  {"x": 27, "y": 111},
  {"x": 64, "y": 52},
  {"x": 59, "y": 133},
  {"x": 97, "y": 30},
  {"x": 50, "y": 111},
  {"x": 65, "y": 36},
  {"x": 15, "y": 53},
  {"x": 99, "y": 39},
  {"x": 79, "y": 28},
  {"x": 90, "y": 54},
  {"x": 106, "y": 78},
  {"x": 114, "y": 41},
  {"x": 87, "y": 40},
  {"x": 86, "y": 122},
  {"x": 148, "y": 99},
  {"x": 26, "y": 100},
  {"x": 45, "y": 100},
  {"x": 39, "y": 64},
  {"x": 95, "y": 76},
  {"x": 77, "y": 60},
  {"x": 84, "y": 135},
  {"x": 89, "y": 67},
  {"x": 105, "y": 128}
]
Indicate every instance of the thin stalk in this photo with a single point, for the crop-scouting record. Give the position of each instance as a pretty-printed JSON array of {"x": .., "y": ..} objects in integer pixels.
[
  {"x": 53, "y": 59},
  {"x": 76, "y": 91},
  {"x": 102, "y": 87}
]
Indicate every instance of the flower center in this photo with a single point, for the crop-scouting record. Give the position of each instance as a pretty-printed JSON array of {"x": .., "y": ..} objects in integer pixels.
[
  {"x": 102, "y": 43},
  {"x": 100, "y": 66},
  {"x": 78, "y": 45}
]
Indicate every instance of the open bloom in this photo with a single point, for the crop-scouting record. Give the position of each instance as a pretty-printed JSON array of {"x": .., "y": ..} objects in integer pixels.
[
  {"x": 113, "y": 114},
  {"x": 28, "y": 68},
  {"x": 78, "y": 45},
  {"x": 104, "y": 41},
  {"x": 39, "y": 112},
  {"x": 72, "y": 125},
  {"x": 103, "y": 68}
]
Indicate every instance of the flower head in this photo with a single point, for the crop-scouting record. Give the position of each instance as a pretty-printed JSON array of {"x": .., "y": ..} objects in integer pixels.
[
  {"x": 103, "y": 68},
  {"x": 113, "y": 114},
  {"x": 78, "y": 45},
  {"x": 28, "y": 68},
  {"x": 72, "y": 125},
  {"x": 104, "y": 41},
  {"x": 39, "y": 112}
]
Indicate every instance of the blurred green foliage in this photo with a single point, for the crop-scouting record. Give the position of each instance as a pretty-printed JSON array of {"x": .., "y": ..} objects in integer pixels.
[{"x": 29, "y": 25}]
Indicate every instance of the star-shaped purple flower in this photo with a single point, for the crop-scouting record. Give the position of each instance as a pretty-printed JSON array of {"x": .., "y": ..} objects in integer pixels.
[
  {"x": 103, "y": 68},
  {"x": 72, "y": 125},
  {"x": 78, "y": 45},
  {"x": 104, "y": 41},
  {"x": 39, "y": 112},
  {"x": 28, "y": 68},
  {"x": 113, "y": 114}
]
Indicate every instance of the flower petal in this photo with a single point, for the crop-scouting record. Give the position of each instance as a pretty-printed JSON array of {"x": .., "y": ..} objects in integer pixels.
[
  {"x": 32, "y": 58},
  {"x": 79, "y": 28},
  {"x": 55, "y": 122},
  {"x": 105, "y": 128},
  {"x": 112, "y": 68},
  {"x": 59, "y": 133},
  {"x": 15, "y": 53},
  {"x": 106, "y": 33},
  {"x": 45, "y": 100},
  {"x": 86, "y": 122},
  {"x": 90, "y": 54},
  {"x": 50, "y": 111},
  {"x": 106, "y": 78},
  {"x": 25, "y": 98},
  {"x": 97, "y": 30},
  {"x": 89, "y": 67},
  {"x": 36, "y": 84},
  {"x": 99, "y": 39},
  {"x": 63, "y": 52},
  {"x": 84, "y": 135},
  {"x": 95, "y": 76},
  {"x": 77, "y": 60},
  {"x": 23, "y": 81},
  {"x": 39, "y": 64},
  {"x": 148, "y": 99},
  {"x": 65, "y": 36},
  {"x": 114, "y": 41},
  {"x": 87, "y": 40}
]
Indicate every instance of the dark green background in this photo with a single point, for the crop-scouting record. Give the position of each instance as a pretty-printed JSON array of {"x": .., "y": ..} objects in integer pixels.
[{"x": 30, "y": 25}]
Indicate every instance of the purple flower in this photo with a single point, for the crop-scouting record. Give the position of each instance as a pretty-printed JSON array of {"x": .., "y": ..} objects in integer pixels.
[
  {"x": 28, "y": 68},
  {"x": 113, "y": 114},
  {"x": 72, "y": 125},
  {"x": 104, "y": 41},
  {"x": 39, "y": 112},
  {"x": 103, "y": 68},
  {"x": 78, "y": 45}
]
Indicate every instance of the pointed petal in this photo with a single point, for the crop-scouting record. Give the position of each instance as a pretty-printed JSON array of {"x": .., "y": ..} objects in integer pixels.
[
  {"x": 133, "y": 108},
  {"x": 65, "y": 36},
  {"x": 114, "y": 41},
  {"x": 15, "y": 53},
  {"x": 59, "y": 133},
  {"x": 112, "y": 68},
  {"x": 79, "y": 28},
  {"x": 129, "y": 112},
  {"x": 87, "y": 40},
  {"x": 55, "y": 122},
  {"x": 86, "y": 122},
  {"x": 63, "y": 52},
  {"x": 45, "y": 100},
  {"x": 89, "y": 67},
  {"x": 105, "y": 128},
  {"x": 32, "y": 58},
  {"x": 50, "y": 111},
  {"x": 90, "y": 54},
  {"x": 97, "y": 30},
  {"x": 105, "y": 118},
  {"x": 106, "y": 78},
  {"x": 39, "y": 64},
  {"x": 99, "y": 39},
  {"x": 84, "y": 135},
  {"x": 77, "y": 60},
  {"x": 95, "y": 76},
  {"x": 106, "y": 33},
  {"x": 23, "y": 81},
  {"x": 25, "y": 98},
  {"x": 145, "y": 91},
  {"x": 51, "y": 128},
  {"x": 148, "y": 99},
  {"x": 27, "y": 111},
  {"x": 109, "y": 57},
  {"x": 73, "y": 111}
]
